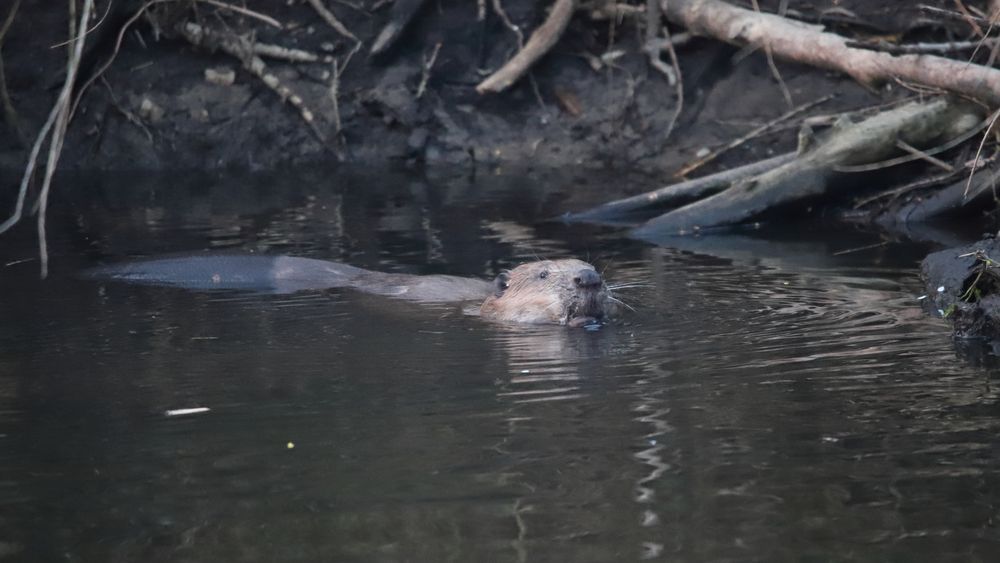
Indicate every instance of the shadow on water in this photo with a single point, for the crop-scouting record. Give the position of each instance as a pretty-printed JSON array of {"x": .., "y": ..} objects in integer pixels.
[{"x": 768, "y": 399}]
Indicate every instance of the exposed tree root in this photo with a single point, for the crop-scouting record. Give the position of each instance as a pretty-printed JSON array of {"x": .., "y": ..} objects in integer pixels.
[
  {"x": 56, "y": 123},
  {"x": 811, "y": 45},
  {"x": 538, "y": 44}
]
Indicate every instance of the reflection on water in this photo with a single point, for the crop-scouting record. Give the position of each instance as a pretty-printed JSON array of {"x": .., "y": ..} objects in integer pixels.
[{"x": 782, "y": 403}]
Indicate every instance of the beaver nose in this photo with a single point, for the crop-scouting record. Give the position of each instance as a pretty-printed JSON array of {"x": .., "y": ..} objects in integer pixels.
[{"x": 587, "y": 278}]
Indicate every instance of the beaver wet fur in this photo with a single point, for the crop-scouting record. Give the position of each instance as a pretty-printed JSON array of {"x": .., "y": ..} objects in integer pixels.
[{"x": 565, "y": 291}]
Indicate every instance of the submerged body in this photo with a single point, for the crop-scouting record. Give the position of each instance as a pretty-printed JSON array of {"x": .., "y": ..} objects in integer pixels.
[{"x": 566, "y": 291}]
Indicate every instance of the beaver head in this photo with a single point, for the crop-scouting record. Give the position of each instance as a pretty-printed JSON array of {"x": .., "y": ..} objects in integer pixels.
[{"x": 568, "y": 292}]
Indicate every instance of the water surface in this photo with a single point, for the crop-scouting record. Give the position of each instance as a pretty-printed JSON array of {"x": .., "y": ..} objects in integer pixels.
[{"x": 768, "y": 399}]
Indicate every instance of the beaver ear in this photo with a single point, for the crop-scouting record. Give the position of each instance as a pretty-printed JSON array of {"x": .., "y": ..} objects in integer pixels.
[{"x": 500, "y": 284}]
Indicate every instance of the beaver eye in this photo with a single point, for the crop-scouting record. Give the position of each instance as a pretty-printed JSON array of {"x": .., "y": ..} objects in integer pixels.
[
  {"x": 501, "y": 283},
  {"x": 543, "y": 274}
]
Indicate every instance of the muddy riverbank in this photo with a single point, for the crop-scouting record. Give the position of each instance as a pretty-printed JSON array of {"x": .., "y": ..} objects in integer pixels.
[{"x": 593, "y": 101}]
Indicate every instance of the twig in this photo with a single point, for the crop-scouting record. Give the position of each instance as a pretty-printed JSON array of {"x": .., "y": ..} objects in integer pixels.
[
  {"x": 516, "y": 30},
  {"x": 62, "y": 106},
  {"x": 953, "y": 14},
  {"x": 915, "y": 185},
  {"x": 426, "y": 73},
  {"x": 860, "y": 248},
  {"x": 332, "y": 20},
  {"x": 769, "y": 54},
  {"x": 131, "y": 117},
  {"x": 680, "y": 85},
  {"x": 502, "y": 14},
  {"x": 921, "y": 155},
  {"x": 335, "y": 96},
  {"x": 994, "y": 15},
  {"x": 653, "y": 43},
  {"x": 89, "y": 31},
  {"x": 279, "y": 52},
  {"x": 245, "y": 11},
  {"x": 29, "y": 170},
  {"x": 114, "y": 53},
  {"x": 755, "y": 132},
  {"x": 653, "y": 46},
  {"x": 334, "y": 90},
  {"x": 538, "y": 44},
  {"x": 911, "y": 157},
  {"x": 969, "y": 18},
  {"x": 922, "y": 48},
  {"x": 979, "y": 151}
]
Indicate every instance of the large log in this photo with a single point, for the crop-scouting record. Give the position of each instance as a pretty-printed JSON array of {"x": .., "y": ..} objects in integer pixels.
[
  {"x": 809, "y": 44},
  {"x": 916, "y": 124}
]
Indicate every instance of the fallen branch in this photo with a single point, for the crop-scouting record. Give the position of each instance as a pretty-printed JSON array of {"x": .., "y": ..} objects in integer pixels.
[
  {"x": 675, "y": 195},
  {"x": 811, "y": 45},
  {"x": 916, "y": 124},
  {"x": 538, "y": 44}
]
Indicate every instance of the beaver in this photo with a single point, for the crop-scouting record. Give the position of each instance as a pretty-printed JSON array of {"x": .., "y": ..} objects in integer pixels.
[{"x": 565, "y": 291}]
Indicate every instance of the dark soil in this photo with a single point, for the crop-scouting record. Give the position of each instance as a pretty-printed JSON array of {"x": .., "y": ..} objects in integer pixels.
[
  {"x": 963, "y": 285},
  {"x": 154, "y": 108}
]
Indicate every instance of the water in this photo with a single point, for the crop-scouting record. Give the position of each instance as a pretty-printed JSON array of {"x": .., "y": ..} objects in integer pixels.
[{"x": 768, "y": 400}]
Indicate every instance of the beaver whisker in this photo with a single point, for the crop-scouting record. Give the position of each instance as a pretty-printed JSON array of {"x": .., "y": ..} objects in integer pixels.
[
  {"x": 620, "y": 302},
  {"x": 629, "y": 285}
]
